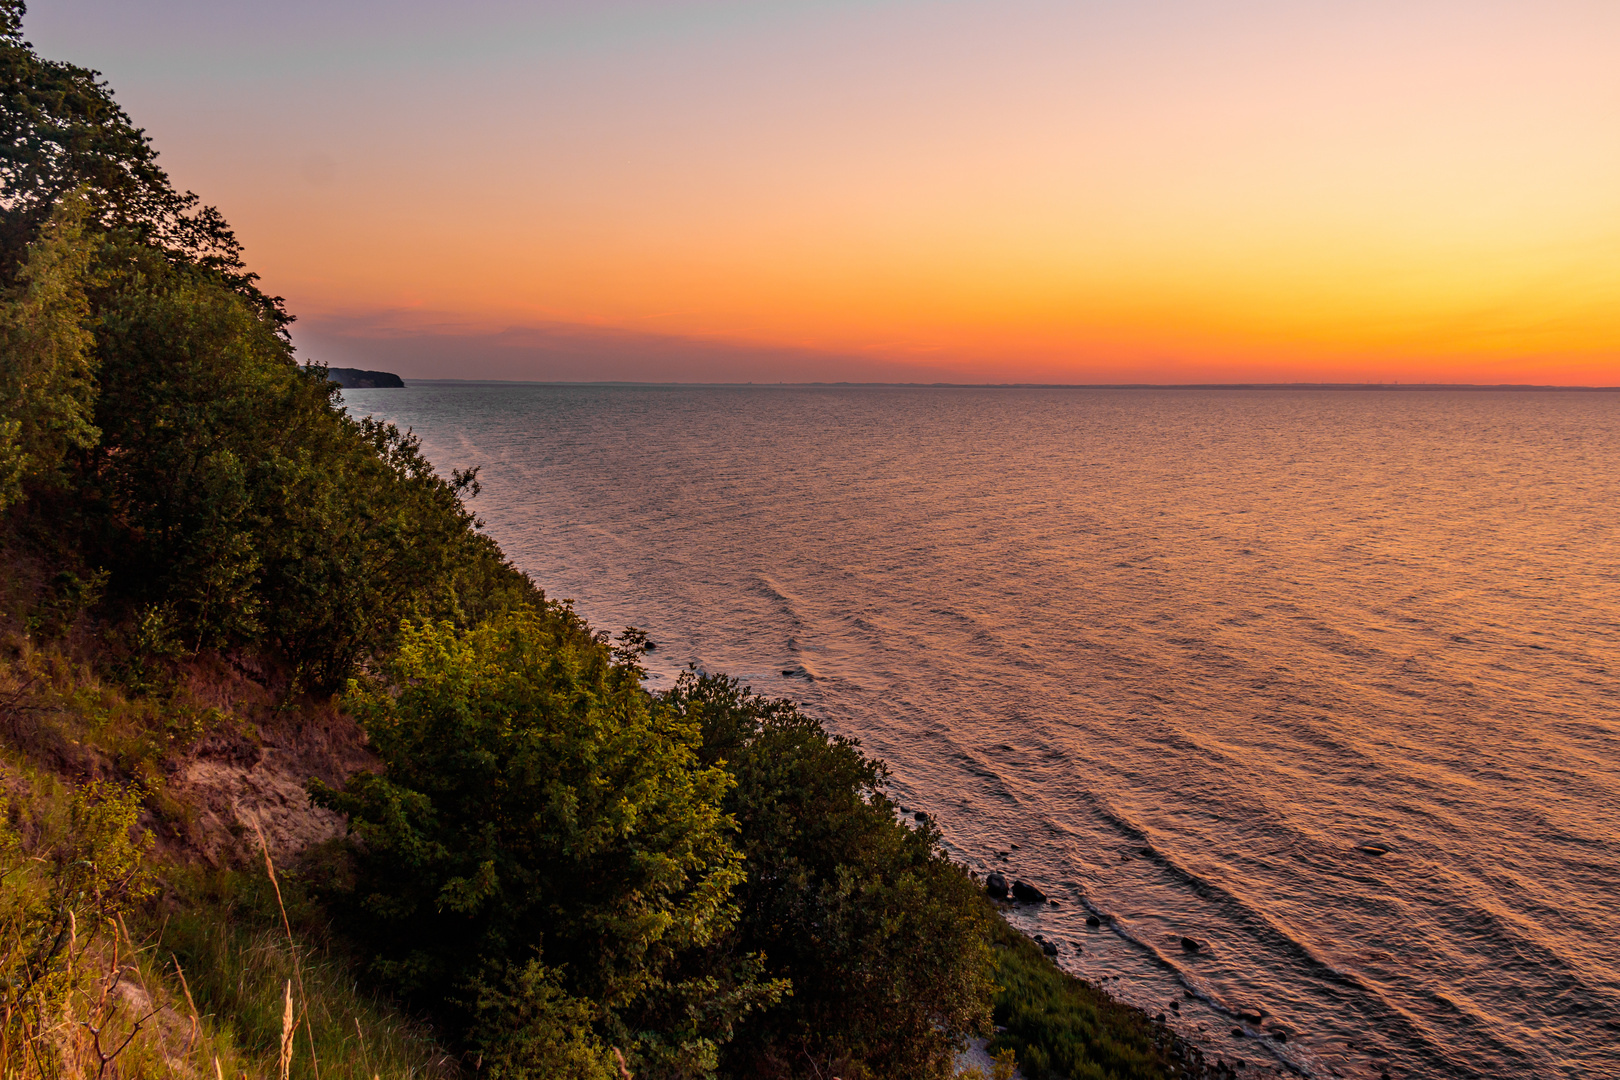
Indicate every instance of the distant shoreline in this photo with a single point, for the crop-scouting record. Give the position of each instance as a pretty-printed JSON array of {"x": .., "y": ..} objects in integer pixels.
[{"x": 1481, "y": 387}]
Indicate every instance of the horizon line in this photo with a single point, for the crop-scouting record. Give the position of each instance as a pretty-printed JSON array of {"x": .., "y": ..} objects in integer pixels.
[{"x": 1395, "y": 386}]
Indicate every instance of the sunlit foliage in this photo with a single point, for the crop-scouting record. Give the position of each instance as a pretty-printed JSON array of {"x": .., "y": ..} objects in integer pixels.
[{"x": 546, "y": 843}]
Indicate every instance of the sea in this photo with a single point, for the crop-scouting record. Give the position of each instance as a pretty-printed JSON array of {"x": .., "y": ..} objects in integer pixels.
[{"x": 1327, "y": 681}]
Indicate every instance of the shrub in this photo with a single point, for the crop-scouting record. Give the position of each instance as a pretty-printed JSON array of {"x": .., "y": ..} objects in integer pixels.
[
  {"x": 537, "y": 807},
  {"x": 1061, "y": 1026},
  {"x": 881, "y": 936}
]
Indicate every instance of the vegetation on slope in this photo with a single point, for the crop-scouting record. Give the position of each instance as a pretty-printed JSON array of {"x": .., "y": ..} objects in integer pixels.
[{"x": 218, "y": 586}]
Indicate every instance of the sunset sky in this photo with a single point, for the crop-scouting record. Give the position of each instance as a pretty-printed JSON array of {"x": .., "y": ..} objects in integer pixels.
[{"x": 1085, "y": 191}]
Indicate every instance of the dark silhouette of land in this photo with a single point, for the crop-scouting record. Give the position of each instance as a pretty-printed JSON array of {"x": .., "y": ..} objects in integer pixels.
[{"x": 355, "y": 379}]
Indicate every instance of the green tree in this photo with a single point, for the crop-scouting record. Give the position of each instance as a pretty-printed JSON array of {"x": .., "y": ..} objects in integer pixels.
[
  {"x": 538, "y": 806},
  {"x": 228, "y": 488},
  {"x": 61, "y": 131},
  {"x": 885, "y": 941},
  {"x": 47, "y": 373}
]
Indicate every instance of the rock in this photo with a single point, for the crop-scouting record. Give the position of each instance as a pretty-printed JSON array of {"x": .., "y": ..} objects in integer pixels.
[
  {"x": 1279, "y": 1034},
  {"x": 650, "y": 646},
  {"x": 1251, "y": 1016},
  {"x": 1192, "y": 945},
  {"x": 1054, "y": 903},
  {"x": 1093, "y": 922},
  {"x": 1027, "y": 893},
  {"x": 996, "y": 885},
  {"x": 787, "y": 673},
  {"x": 1237, "y": 1033},
  {"x": 1049, "y": 948},
  {"x": 1372, "y": 849},
  {"x": 920, "y": 816},
  {"x": 1160, "y": 1018}
]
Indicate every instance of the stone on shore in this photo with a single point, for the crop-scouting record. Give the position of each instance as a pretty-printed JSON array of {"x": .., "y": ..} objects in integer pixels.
[{"x": 1026, "y": 893}]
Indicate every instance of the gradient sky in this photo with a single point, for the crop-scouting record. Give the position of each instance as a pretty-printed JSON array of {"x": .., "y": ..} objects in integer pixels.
[{"x": 1087, "y": 191}]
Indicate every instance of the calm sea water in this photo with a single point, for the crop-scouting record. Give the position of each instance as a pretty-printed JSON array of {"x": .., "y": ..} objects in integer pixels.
[{"x": 1191, "y": 658}]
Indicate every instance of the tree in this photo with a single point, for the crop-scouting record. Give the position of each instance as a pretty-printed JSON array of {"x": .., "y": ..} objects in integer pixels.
[
  {"x": 537, "y": 806},
  {"x": 228, "y": 491},
  {"x": 61, "y": 131},
  {"x": 883, "y": 938},
  {"x": 47, "y": 373}
]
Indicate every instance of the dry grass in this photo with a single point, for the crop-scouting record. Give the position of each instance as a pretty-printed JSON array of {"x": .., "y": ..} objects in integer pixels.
[
  {"x": 205, "y": 986},
  {"x": 286, "y": 1001}
]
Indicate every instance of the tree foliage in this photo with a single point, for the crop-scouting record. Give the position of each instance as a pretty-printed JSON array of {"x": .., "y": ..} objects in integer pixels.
[
  {"x": 539, "y": 807},
  {"x": 229, "y": 492},
  {"x": 61, "y": 131},
  {"x": 882, "y": 938},
  {"x": 47, "y": 383},
  {"x": 158, "y": 428}
]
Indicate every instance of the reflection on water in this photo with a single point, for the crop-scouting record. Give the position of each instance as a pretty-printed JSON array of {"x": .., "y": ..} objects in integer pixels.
[{"x": 1328, "y": 680}]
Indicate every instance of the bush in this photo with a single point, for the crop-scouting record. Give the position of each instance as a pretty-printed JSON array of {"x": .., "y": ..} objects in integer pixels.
[
  {"x": 882, "y": 937},
  {"x": 538, "y": 807},
  {"x": 1061, "y": 1026}
]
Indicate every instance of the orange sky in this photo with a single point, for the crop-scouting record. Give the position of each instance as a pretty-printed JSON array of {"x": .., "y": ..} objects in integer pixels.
[{"x": 1158, "y": 191}]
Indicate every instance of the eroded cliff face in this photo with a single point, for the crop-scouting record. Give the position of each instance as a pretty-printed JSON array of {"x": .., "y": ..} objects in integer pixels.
[
  {"x": 247, "y": 775},
  {"x": 223, "y": 748},
  {"x": 232, "y": 788}
]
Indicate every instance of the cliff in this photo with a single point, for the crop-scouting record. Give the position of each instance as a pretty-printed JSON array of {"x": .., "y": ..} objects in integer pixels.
[{"x": 355, "y": 379}]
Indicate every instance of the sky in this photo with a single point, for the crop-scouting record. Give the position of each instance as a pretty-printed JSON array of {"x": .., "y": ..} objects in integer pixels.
[{"x": 1088, "y": 191}]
